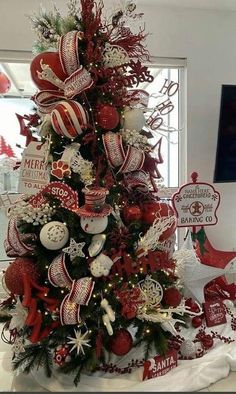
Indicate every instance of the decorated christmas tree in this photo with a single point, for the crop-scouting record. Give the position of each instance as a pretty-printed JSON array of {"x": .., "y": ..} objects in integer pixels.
[{"x": 92, "y": 243}]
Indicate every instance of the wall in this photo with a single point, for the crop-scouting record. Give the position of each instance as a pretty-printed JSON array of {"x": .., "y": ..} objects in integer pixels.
[{"x": 207, "y": 39}]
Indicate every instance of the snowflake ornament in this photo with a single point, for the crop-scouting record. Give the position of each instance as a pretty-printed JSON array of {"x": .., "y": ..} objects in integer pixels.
[
  {"x": 75, "y": 249},
  {"x": 79, "y": 341},
  {"x": 151, "y": 292},
  {"x": 114, "y": 56}
]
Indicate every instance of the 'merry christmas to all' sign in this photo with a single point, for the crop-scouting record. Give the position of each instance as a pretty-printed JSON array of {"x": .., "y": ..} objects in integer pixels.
[
  {"x": 33, "y": 170},
  {"x": 196, "y": 204}
]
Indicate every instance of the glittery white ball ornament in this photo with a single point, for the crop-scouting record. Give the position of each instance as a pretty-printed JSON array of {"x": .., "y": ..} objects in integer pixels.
[
  {"x": 133, "y": 119},
  {"x": 54, "y": 235},
  {"x": 188, "y": 349}
]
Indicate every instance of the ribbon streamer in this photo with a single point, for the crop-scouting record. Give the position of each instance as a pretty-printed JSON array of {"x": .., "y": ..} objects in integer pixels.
[{"x": 80, "y": 290}]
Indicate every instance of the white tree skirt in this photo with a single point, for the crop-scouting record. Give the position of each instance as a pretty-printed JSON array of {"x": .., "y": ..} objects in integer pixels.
[{"x": 189, "y": 375}]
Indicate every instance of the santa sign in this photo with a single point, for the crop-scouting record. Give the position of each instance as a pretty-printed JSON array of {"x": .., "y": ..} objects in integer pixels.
[
  {"x": 196, "y": 203},
  {"x": 160, "y": 365}
]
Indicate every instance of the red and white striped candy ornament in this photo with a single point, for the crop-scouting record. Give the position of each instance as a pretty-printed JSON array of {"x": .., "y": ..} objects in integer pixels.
[{"x": 69, "y": 119}]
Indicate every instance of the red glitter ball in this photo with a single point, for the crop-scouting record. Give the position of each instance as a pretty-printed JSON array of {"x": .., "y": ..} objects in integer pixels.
[
  {"x": 121, "y": 342},
  {"x": 14, "y": 274}
]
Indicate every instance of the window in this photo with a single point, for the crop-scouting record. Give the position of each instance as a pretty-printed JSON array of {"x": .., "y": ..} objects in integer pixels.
[{"x": 168, "y": 74}]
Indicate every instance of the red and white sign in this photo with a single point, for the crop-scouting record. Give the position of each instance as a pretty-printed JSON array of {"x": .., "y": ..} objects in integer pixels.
[
  {"x": 214, "y": 313},
  {"x": 60, "y": 191},
  {"x": 34, "y": 174},
  {"x": 195, "y": 204},
  {"x": 160, "y": 365}
]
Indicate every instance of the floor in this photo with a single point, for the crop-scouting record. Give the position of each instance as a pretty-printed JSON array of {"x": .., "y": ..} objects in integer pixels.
[{"x": 26, "y": 383}]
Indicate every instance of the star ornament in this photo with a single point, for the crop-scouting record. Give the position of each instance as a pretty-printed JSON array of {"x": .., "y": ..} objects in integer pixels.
[
  {"x": 194, "y": 275},
  {"x": 75, "y": 249},
  {"x": 79, "y": 341}
]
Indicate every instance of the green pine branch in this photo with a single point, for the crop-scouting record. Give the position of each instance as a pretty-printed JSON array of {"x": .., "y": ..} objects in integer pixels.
[{"x": 34, "y": 356}]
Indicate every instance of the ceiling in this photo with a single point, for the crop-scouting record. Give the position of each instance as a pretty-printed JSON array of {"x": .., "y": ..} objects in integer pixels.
[{"x": 204, "y": 4}]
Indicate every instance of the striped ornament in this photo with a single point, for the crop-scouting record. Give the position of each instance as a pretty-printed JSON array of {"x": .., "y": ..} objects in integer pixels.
[{"x": 69, "y": 118}]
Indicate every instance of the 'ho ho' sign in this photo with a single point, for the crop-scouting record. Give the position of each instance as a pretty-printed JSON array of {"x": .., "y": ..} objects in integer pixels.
[{"x": 196, "y": 203}]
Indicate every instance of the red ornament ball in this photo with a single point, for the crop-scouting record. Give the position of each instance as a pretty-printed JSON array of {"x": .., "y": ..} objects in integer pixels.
[
  {"x": 14, "y": 274},
  {"x": 196, "y": 321},
  {"x": 51, "y": 59},
  {"x": 131, "y": 213},
  {"x": 5, "y": 83},
  {"x": 172, "y": 296},
  {"x": 121, "y": 342},
  {"x": 157, "y": 209},
  {"x": 69, "y": 119},
  {"x": 107, "y": 116},
  {"x": 62, "y": 355}
]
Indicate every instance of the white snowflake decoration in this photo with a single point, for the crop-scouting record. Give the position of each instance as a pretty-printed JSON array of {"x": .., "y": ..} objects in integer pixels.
[
  {"x": 75, "y": 249},
  {"x": 151, "y": 292},
  {"x": 79, "y": 341},
  {"x": 114, "y": 56}
]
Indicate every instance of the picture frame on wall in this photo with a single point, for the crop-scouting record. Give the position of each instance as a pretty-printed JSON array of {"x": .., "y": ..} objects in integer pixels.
[{"x": 225, "y": 162}]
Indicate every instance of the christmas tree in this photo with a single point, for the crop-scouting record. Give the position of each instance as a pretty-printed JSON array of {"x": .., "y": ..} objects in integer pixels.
[{"x": 92, "y": 272}]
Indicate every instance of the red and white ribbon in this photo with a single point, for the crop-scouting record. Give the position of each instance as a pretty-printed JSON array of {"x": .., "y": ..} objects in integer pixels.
[
  {"x": 58, "y": 275},
  {"x": 131, "y": 160},
  {"x": 80, "y": 290},
  {"x": 114, "y": 149},
  {"x": 77, "y": 82},
  {"x": 14, "y": 243},
  {"x": 69, "y": 51}
]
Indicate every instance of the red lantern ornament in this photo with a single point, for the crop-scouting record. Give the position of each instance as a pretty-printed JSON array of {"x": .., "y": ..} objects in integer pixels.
[
  {"x": 172, "y": 297},
  {"x": 14, "y": 274},
  {"x": 107, "y": 116},
  {"x": 5, "y": 83},
  {"x": 157, "y": 209},
  {"x": 131, "y": 213},
  {"x": 196, "y": 321},
  {"x": 52, "y": 60},
  {"x": 69, "y": 119},
  {"x": 121, "y": 342}
]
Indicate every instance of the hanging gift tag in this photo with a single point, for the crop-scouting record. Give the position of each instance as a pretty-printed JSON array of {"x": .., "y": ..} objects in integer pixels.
[{"x": 34, "y": 174}]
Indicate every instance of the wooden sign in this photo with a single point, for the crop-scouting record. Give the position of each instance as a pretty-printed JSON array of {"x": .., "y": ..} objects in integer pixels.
[
  {"x": 34, "y": 174},
  {"x": 160, "y": 365},
  {"x": 195, "y": 204},
  {"x": 60, "y": 191},
  {"x": 214, "y": 313}
]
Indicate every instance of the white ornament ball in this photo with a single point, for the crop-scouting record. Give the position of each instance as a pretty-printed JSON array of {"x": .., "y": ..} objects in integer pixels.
[
  {"x": 54, "y": 235},
  {"x": 94, "y": 225},
  {"x": 188, "y": 349},
  {"x": 134, "y": 119}
]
